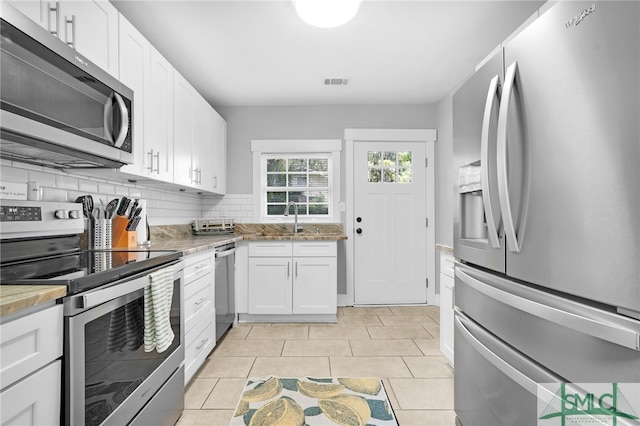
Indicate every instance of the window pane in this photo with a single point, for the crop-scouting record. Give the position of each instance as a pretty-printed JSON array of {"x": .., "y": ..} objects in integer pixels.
[
  {"x": 276, "y": 165},
  {"x": 374, "y": 175},
  {"x": 404, "y": 159},
  {"x": 276, "y": 179},
  {"x": 318, "y": 165},
  {"x": 276, "y": 197},
  {"x": 316, "y": 181},
  {"x": 373, "y": 158},
  {"x": 302, "y": 209},
  {"x": 319, "y": 209},
  {"x": 318, "y": 196},
  {"x": 298, "y": 196},
  {"x": 405, "y": 175},
  {"x": 389, "y": 159},
  {"x": 389, "y": 175},
  {"x": 298, "y": 165},
  {"x": 297, "y": 180},
  {"x": 275, "y": 209}
]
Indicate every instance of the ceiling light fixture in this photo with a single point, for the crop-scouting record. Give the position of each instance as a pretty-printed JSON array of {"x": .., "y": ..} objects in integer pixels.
[{"x": 327, "y": 13}]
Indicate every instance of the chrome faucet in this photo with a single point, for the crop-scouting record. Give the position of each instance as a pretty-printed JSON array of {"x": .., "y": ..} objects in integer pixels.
[{"x": 296, "y": 228}]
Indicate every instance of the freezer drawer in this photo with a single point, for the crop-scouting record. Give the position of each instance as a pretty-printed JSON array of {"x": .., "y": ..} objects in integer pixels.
[
  {"x": 579, "y": 342},
  {"x": 495, "y": 385}
]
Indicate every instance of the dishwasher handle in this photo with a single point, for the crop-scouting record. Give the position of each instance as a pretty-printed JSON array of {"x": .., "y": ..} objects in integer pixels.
[{"x": 225, "y": 253}]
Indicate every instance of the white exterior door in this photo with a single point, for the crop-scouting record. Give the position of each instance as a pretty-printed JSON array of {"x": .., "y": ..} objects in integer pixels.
[{"x": 390, "y": 253}]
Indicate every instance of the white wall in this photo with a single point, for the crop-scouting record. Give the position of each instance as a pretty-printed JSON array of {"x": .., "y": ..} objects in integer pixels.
[
  {"x": 444, "y": 173},
  {"x": 306, "y": 122}
]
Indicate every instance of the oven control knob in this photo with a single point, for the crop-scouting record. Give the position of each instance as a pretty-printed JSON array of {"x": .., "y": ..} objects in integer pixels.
[
  {"x": 61, "y": 214},
  {"x": 74, "y": 214}
]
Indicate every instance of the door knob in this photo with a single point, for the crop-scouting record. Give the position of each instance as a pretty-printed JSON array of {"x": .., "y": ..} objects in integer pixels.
[{"x": 359, "y": 231}]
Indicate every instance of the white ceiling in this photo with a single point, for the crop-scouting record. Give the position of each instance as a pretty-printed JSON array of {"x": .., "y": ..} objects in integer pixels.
[{"x": 241, "y": 53}]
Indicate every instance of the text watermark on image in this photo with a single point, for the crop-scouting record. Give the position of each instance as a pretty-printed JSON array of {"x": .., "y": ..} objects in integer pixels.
[{"x": 568, "y": 404}]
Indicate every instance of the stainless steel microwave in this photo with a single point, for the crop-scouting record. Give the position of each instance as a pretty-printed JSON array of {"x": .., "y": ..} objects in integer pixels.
[{"x": 57, "y": 108}]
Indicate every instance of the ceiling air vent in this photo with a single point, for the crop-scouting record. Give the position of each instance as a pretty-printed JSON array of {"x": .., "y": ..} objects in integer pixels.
[{"x": 337, "y": 81}]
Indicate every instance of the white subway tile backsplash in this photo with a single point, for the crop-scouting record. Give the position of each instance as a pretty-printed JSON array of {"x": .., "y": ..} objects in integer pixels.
[
  {"x": 10, "y": 174},
  {"x": 106, "y": 188},
  {"x": 65, "y": 182},
  {"x": 53, "y": 194},
  {"x": 165, "y": 205},
  {"x": 87, "y": 186}
]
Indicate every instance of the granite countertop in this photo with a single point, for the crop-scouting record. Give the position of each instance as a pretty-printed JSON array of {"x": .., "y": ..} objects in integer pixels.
[
  {"x": 16, "y": 297},
  {"x": 180, "y": 237}
]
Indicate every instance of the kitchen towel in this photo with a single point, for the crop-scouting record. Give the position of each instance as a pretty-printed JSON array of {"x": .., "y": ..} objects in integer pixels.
[
  {"x": 157, "y": 308},
  {"x": 470, "y": 178}
]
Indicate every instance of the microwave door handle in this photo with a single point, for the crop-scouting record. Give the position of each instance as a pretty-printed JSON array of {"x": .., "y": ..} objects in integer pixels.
[
  {"x": 108, "y": 111},
  {"x": 492, "y": 221},
  {"x": 124, "y": 121}
]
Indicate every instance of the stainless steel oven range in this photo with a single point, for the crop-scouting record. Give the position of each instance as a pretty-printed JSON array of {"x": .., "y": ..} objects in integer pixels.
[{"x": 115, "y": 372}]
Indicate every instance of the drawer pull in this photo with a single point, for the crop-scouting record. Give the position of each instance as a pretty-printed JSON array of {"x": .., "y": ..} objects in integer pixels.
[
  {"x": 201, "y": 266},
  {"x": 201, "y": 345},
  {"x": 199, "y": 302}
]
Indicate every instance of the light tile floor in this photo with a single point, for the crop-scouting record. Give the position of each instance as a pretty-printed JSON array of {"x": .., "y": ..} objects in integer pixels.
[{"x": 398, "y": 344}]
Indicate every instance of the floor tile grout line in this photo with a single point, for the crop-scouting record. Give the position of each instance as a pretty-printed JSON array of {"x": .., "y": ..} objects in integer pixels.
[{"x": 210, "y": 392}]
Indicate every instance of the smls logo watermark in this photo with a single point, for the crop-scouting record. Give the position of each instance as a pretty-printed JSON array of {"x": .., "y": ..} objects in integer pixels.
[{"x": 611, "y": 404}]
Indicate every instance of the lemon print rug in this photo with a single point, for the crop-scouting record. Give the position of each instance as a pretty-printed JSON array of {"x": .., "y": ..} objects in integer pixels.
[{"x": 313, "y": 401}]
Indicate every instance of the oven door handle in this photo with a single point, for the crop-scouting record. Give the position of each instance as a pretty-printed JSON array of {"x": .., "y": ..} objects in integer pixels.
[{"x": 97, "y": 297}]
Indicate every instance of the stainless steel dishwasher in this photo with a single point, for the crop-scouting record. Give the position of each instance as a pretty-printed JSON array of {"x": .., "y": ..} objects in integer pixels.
[{"x": 225, "y": 288}]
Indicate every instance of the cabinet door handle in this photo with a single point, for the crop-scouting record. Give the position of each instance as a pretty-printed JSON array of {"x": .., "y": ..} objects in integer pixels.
[
  {"x": 296, "y": 269},
  {"x": 201, "y": 345},
  {"x": 199, "y": 302},
  {"x": 71, "y": 21},
  {"x": 288, "y": 269},
  {"x": 56, "y": 9},
  {"x": 150, "y": 167},
  {"x": 158, "y": 163},
  {"x": 215, "y": 181}
]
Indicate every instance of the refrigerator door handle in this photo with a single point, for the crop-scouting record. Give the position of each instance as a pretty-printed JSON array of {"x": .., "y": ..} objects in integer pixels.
[
  {"x": 503, "y": 181},
  {"x": 493, "y": 95},
  {"x": 595, "y": 327}
]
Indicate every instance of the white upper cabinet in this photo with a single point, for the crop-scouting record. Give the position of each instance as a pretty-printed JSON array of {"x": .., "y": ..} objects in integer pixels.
[
  {"x": 38, "y": 11},
  {"x": 88, "y": 26},
  {"x": 184, "y": 96},
  {"x": 135, "y": 58},
  {"x": 91, "y": 28},
  {"x": 159, "y": 118},
  {"x": 200, "y": 136},
  {"x": 201, "y": 148},
  {"x": 144, "y": 70},
  {"x": 219, "y": 153}
]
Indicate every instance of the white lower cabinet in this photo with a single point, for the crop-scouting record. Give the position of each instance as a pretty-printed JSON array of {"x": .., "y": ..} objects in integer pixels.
[
  {"x": 30, "y": 368},
  {"x": 199, "y": 310},
  {"x": 292, "y": 277},
  {"x": 447, "y": 284}
]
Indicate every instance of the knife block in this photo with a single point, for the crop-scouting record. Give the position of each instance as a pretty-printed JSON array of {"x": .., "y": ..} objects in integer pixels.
[{"x": 121, "y": 237}]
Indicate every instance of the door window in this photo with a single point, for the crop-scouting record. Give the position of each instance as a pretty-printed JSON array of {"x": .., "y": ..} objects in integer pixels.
[{"x": 390, "y": 166}]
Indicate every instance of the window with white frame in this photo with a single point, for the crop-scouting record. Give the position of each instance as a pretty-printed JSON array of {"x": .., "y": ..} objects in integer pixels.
[
  {"x": 305, "y": 172},
  {"x": 299, "y": 178}
]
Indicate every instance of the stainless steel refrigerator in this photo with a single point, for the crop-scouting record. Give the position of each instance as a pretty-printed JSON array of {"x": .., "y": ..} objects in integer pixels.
[{"x": 547, "y": 213}]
